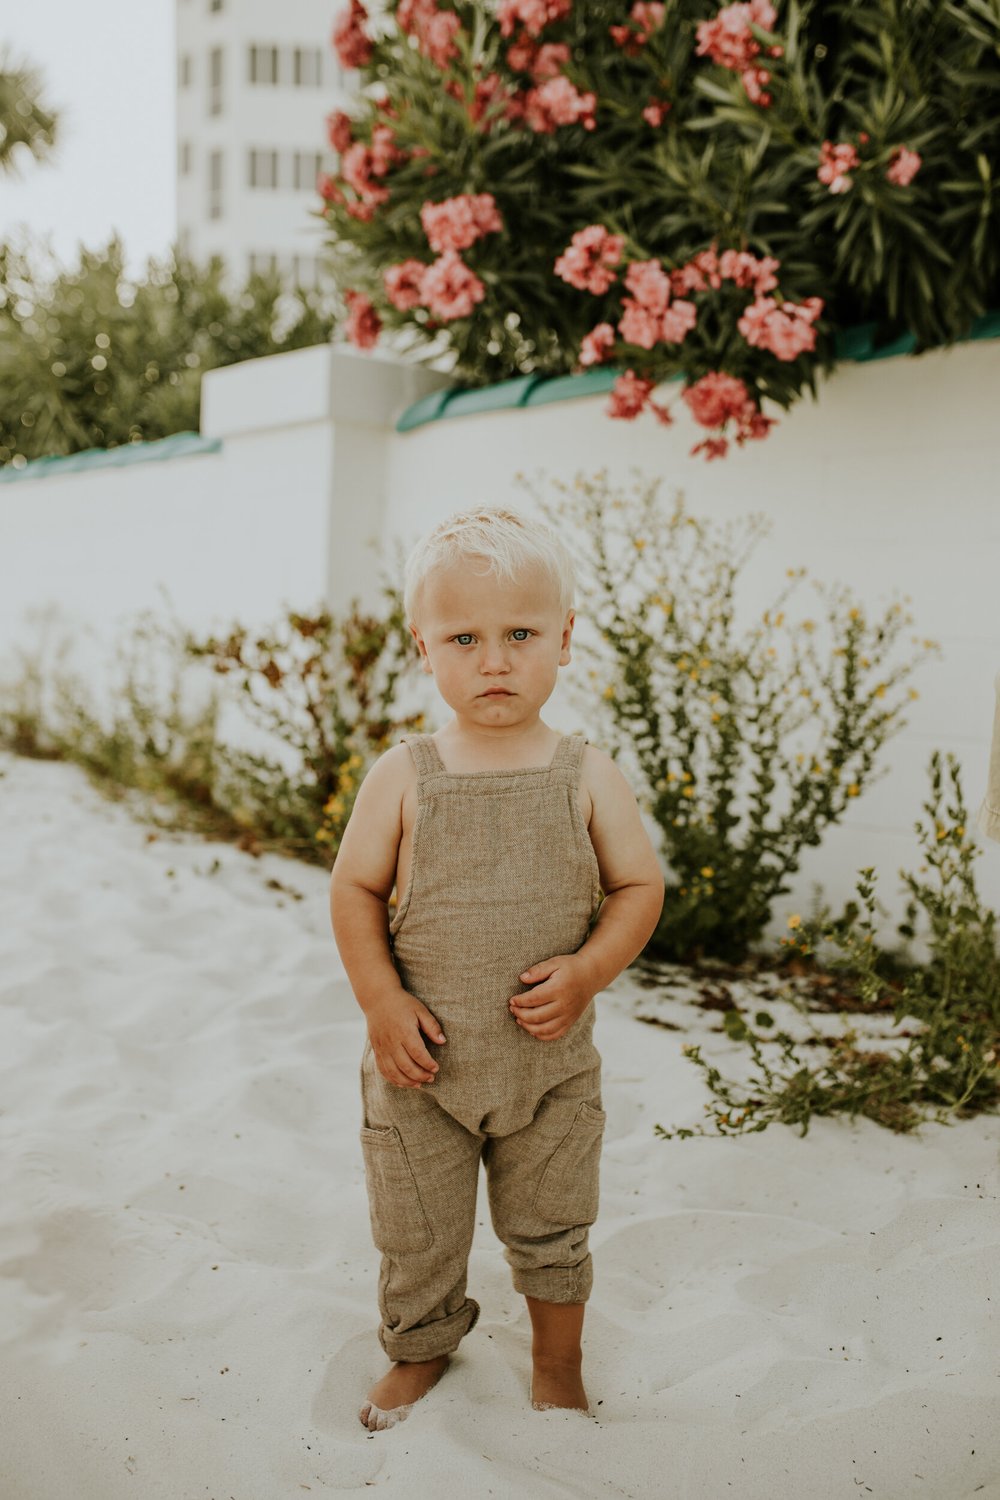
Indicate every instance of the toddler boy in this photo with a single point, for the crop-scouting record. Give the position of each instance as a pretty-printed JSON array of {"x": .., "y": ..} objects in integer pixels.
[{"x": 499, "y": 835}]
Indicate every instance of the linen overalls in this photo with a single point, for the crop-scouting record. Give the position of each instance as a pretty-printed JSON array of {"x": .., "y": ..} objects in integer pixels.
[{"x": 502, "y": 876}]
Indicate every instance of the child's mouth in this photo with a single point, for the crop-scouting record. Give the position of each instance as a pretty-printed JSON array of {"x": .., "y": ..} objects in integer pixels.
[{"x": 497, "y": 693}]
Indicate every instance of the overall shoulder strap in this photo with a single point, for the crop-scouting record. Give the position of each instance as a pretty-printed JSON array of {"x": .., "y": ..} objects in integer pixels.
[
  {"x": 425, "y": 754},
  {"x": 570, "y": 753}
]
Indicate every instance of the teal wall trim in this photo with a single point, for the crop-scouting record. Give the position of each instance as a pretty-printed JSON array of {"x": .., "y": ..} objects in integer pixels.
[
  {"x": 539, "y": 390},
  {"x": 178, "y": 445}
]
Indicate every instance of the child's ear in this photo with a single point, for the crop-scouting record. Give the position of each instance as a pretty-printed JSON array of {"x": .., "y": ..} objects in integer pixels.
[
  {"x": 564, "y": 654},
  {"x": 424, "y": 659}
]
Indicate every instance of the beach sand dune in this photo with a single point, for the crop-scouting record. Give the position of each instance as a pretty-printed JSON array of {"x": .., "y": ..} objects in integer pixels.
[{"x": 187, "y": 1298}]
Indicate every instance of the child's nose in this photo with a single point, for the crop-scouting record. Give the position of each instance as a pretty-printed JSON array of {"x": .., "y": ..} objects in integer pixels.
[{"x": 494, "y": 659}]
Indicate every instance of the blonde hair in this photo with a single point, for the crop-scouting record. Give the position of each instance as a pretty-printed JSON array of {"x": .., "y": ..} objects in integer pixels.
[{"x": 509, "y": 540}]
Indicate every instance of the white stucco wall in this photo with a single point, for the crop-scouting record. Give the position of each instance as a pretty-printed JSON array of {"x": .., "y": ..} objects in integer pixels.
[{"x": 887, "y": 484}]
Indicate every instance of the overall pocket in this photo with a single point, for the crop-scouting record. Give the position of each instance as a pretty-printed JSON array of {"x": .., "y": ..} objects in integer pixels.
[
  {"x": 399, "y": 1224},
  {"x": 568, "y": 1189}
]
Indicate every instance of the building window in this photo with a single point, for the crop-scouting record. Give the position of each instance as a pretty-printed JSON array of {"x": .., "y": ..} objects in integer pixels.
[
  {"x": 215, "y": 81},
  {"x": 306, "y": 167},
  {"x": 184, "y": 70},
  {"x": 306, "y": 67},
  {"x": 215, "y": 185},
  {"x": 262, "y": 64},
  {"x": 185, "y": 156},
  {"x": 262, "y": 169}
]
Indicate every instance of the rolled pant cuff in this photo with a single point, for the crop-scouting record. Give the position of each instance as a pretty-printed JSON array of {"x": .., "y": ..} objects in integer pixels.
[
  {"x": 431, "y": 1339},
  {"x": 557, "y": 1283}
]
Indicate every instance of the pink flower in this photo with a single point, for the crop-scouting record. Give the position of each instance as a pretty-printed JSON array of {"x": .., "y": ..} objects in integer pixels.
[
  {"x": 754, "y": 80},
  {"x": 356, "y": 166},
  {"x": 835, "y": 163},
  {"x": 489, "y": 91},
  {"x": 450, "y": 289},
  {"x": 363, "y": 324},
  {"x": 655, "y": 112},
  {"x": 644, "y": 18},
  {"x": 586, "y": 262},
  {"x": 713, "y": 447},
  {"x": 649, "y": 284},
  {"x": 549, "y": 61},
  {"x": 597, "y": 345},
  {"x": 338, "y": 130},
  {"x": 715, "y": 398},
  {"x": 786, "y": 330},
  {"x": 678, "y": 321},
  {"x": 434, "y": 29},
  {"x": 328, "y": 189},
  {"x": 351, "y": 42},
  {"x": 558, "y": 103},
  {"x": 534, "y": 15},
  {"x": 630, "y": 395},
  {"x": 746, "y": 270},
  {"x": 457, "y": 223},
  {"x": 903, "y": 166},
  {"x": 404, "y": 284},
  {"x": 728, "y": 39},
  {"x": 384, "y": 153},
  {"x": 361, "y": 210},
  {"x": 639, "y": 325}
]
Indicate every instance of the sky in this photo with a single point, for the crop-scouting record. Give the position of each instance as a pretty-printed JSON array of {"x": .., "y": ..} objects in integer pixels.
[{"x": 108, "y": 70}]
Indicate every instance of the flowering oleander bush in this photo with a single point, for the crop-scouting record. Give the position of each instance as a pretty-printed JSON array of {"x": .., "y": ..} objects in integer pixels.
[
  {"x": 747, "y": 735},
  {"x": 670, "y": 189}
]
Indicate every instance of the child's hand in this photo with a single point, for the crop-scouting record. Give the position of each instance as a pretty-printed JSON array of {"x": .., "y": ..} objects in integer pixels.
[
  {"x": 549, "y": 1010},
  {"x": 394, "y": 1027}
]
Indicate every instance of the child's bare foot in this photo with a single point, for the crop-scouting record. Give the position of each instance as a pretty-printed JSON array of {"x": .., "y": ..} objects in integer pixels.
[
  {"x": 391, "y": 1398},
  {"x": 558, "y": 1383}
]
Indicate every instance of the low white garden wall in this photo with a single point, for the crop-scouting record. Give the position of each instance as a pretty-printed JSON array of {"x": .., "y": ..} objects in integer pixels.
[{"x": 887, "y": 484}]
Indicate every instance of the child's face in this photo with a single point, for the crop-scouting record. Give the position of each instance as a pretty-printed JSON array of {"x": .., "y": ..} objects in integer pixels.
[{"x": 478, "y": 633}]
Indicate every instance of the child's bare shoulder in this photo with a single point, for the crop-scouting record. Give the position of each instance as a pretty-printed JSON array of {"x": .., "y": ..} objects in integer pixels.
[{"x": 388, "y": 779}]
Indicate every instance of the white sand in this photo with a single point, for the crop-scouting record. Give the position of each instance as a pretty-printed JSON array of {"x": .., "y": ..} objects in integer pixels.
[{"x": 187, "y": 1305}]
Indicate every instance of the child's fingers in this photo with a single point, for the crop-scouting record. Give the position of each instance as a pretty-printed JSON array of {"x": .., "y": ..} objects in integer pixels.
[
  {"x": 531, "y": 999},
  {"x": 418, "y": 1055}
]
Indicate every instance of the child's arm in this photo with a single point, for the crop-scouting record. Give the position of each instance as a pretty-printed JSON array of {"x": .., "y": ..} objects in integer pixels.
[
  {"x": 362, "y": 880},
  {"x": 633, "y": 884}
]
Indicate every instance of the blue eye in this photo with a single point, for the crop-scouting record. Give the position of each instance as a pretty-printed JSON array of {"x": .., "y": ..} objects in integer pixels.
[
  {"x": 467, "y": 637},
  {"x": 521, "y": 630}
]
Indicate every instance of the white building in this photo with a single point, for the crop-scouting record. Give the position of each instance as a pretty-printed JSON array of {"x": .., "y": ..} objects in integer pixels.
[{"x": 255, "y": 82}]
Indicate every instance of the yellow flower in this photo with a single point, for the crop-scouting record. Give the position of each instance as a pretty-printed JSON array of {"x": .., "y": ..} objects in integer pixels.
[
  {"x": 707, "y": 871},
  {"x": 795, "y": 921},
  {"x": 809, "y": 625},
  {"x": 779, "y": 617},
  {"x": 609, "y": 691},
  {"x": 853, "y": 789},
  {"x": 638, "y": 542},
  {"x": 914, "y": 693},
  {"x": 880, "y": 690},
  {"x": 689, "y": 791}
]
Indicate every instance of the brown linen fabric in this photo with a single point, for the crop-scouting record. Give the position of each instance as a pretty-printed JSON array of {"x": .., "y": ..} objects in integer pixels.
[{"x": 502, "y": 876}]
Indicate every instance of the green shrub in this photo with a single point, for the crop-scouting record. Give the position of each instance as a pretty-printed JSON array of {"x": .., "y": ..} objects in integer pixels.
[{"x": 950, "y": 1004}]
